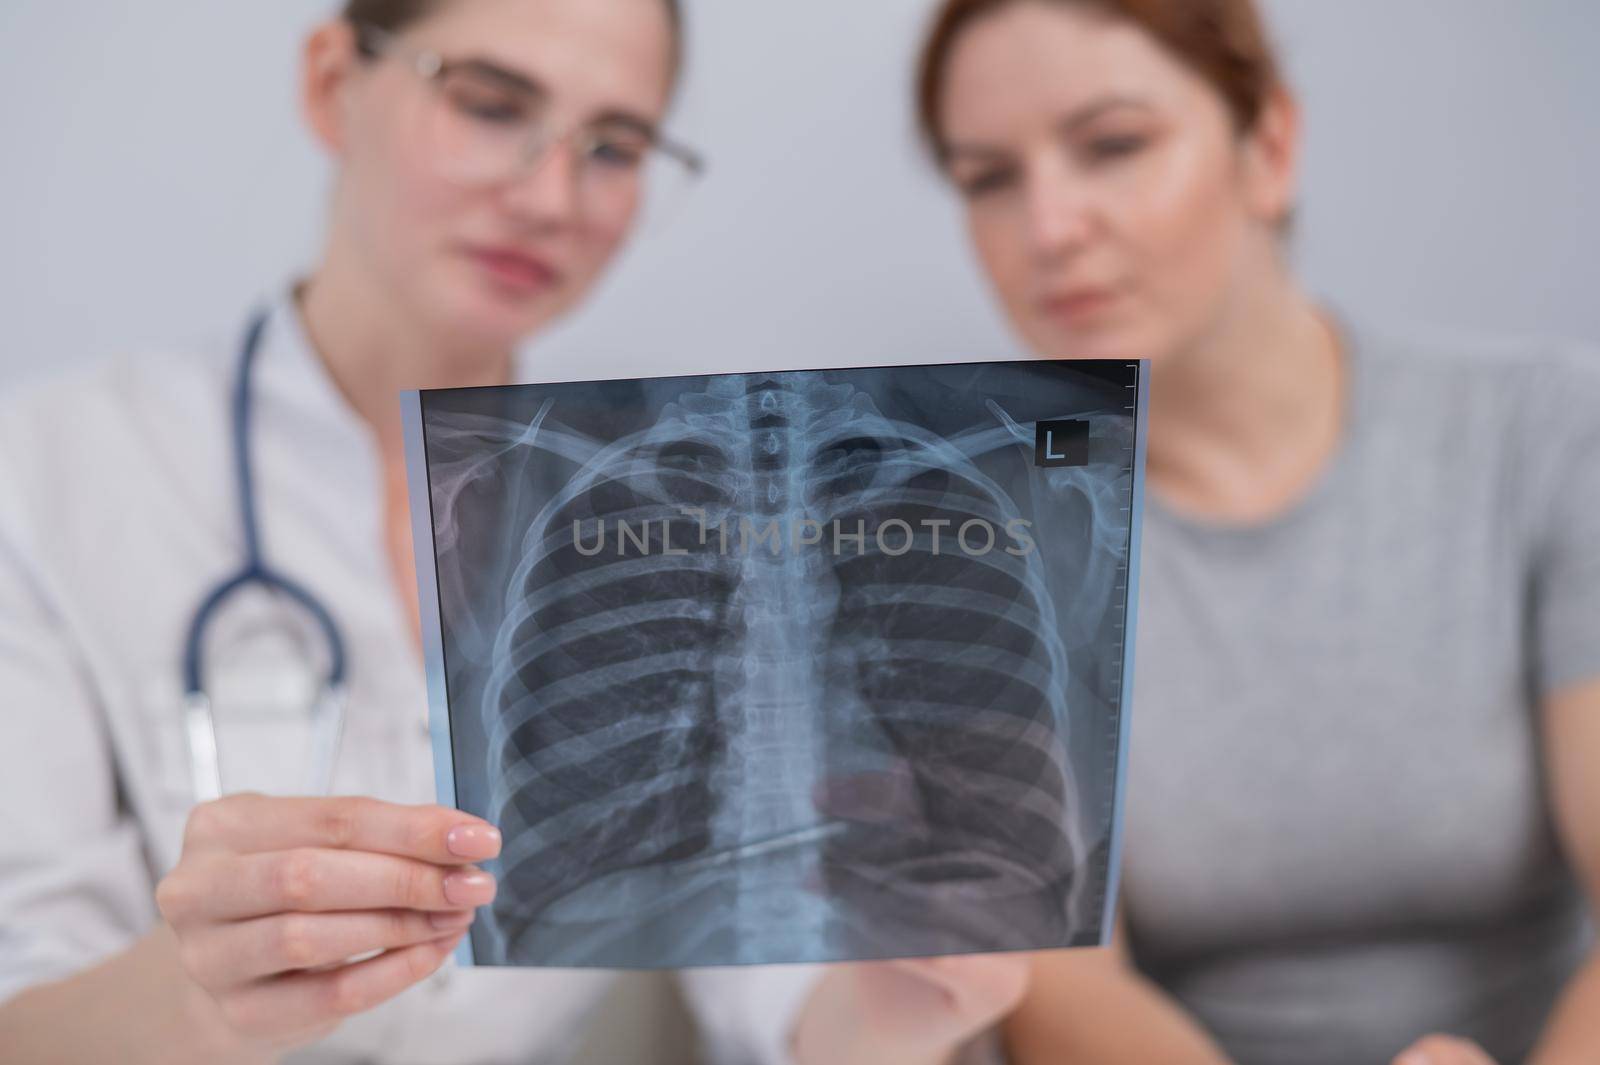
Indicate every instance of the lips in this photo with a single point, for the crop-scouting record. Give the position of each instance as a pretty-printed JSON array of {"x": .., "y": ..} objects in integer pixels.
[
  {"x": 1077, "y": 305},
  {"x": 520, "y": 271}
]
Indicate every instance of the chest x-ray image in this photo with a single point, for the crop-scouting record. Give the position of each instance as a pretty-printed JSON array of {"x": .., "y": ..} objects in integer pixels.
[{"x": 784, "y": 667}]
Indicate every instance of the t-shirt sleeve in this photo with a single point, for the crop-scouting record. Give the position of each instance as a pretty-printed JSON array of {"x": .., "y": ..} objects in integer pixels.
[{"x": 1566, "y": 577}]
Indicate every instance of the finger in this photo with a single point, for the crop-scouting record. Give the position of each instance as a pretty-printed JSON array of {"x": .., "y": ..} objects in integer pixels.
[
  {"x": 309, "y": 880},
  {"x": 253, "y": 823},
  {"x": 1419, "y": 1055},
  {"x": 240, "y": 952},
  {"x": 1453, "y": 1051},
  {"x": 884, "y": 797},
  {"x": 1444, "y": 1050},
  {"x": 975, "y": 985},
  {"x": 301, "y": 1001},
  {"x": 1469, "y": 1053}
]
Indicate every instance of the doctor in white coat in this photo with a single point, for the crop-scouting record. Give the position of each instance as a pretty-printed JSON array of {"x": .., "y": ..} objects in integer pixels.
[{"x": 490, "y": 162}]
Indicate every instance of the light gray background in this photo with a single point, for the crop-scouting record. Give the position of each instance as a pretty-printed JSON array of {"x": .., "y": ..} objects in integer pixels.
[{"x": 156, "y": 180}]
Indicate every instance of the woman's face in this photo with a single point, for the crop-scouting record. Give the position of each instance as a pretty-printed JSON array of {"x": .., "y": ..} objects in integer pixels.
[
  {"x": 1115, "y": 208},
  {"x": 490, "y": 260}
]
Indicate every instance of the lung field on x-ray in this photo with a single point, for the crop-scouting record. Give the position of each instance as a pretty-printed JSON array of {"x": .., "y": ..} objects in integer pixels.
[{"x": 784, "y": 667}]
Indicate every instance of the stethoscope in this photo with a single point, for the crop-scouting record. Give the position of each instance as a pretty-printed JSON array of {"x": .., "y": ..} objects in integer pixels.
[{"x": 328, "y": 709}]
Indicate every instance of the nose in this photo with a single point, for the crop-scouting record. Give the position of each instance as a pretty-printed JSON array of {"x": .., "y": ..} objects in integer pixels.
[
  {"x": 548, "y": 194},
  {"x": 1060, "y": 216}
]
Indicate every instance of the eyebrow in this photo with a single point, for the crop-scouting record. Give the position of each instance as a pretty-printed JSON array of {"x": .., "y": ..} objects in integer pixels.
[
  {"x": 628, "y": 120},
  {"x": 1093, "y": 110},
  {"x": 1073, "y": 122},
  {"x": 531, "y": 85}
]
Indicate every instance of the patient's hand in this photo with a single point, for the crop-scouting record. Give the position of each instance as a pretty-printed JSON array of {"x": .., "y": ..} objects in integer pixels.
[
  {"x": 1444, "y": 1050},
  {"x": 913, "y": 1012}
]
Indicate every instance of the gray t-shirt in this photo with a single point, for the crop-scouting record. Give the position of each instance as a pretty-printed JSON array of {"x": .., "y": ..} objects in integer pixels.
[{"x": 1337, "y": 835}]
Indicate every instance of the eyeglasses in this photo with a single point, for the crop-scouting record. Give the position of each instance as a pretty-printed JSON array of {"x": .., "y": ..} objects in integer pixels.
[{"x": 483, "y": 125}]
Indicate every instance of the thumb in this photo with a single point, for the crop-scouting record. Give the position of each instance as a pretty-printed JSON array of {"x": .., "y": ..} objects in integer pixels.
[{"x": 977, "y": 988}]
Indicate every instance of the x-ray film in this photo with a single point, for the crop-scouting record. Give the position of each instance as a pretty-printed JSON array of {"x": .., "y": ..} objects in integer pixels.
[{"x": 785, "y": 667}]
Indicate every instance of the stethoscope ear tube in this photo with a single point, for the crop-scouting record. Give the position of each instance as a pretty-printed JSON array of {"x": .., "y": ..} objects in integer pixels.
[
  {"x": 327, "y": 732},
  {"x": 327, "y": 716},
  {"x": 205, "y": 769},
  {"x": 200, "y": 727}
]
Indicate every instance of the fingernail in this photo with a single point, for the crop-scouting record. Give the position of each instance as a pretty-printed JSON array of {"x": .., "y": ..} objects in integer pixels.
[
  {"x": 474, "y": 842},
  {"x": 468, "y": 887},
  {"x": 451, "y": 920}
]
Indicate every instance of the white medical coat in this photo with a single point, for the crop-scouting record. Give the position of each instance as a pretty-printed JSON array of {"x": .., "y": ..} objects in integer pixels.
[{"x": 118, "y": 512}]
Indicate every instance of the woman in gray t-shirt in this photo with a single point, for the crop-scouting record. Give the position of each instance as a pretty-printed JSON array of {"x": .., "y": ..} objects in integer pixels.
[{"x": 1360, "y": 825}]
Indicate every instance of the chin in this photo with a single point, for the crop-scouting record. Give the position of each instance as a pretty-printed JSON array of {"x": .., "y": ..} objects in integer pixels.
[
  {"x": 1083, "y": 345},
  {"x": 491, "y": 319},
  {"x": 1122, "y": 341}
]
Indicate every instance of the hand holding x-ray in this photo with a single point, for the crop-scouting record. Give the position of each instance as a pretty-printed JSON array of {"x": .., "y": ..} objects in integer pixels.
[{"x": 293, "y": 914}]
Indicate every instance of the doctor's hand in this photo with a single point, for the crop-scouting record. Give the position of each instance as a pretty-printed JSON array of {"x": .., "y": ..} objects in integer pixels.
[
  {"x": 293, "y": 914},
  {"x": 1444, "y": 1050},
  {"x": 918, "y": 1011}
]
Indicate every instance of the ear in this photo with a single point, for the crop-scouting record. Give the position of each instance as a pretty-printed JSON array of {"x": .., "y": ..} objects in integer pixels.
[
  {"x": 328, "y": 62},
  {"x": 1272, "y": 158}
]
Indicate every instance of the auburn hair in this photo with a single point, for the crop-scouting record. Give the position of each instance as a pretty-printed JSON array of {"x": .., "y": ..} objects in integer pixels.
[{"x": 1224, "y": 41}]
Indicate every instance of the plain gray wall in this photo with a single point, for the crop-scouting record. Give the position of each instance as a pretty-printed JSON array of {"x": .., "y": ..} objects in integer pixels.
[{"x": 156, "y": 180}]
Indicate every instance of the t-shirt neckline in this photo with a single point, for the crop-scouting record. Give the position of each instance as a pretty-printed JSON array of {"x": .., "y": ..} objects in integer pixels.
[{"x": 1355, "y": 361}]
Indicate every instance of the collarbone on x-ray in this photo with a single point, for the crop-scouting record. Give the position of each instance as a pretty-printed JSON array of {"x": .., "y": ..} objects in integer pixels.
[{"x": 748, "y": 670}]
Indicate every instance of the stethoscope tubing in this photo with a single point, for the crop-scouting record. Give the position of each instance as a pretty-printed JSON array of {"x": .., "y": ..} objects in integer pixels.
[{"x": 199, "y": 716}]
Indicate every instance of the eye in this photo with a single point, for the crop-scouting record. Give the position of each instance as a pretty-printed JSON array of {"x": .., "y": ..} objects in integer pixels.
[
  {"x": 1111, "y": 148},
  {"x": 619, "y": 151},
  {"x": 481, "y": 101},
  {"x": 495, "y": 112},
  {"x": 981, "y": 183}
]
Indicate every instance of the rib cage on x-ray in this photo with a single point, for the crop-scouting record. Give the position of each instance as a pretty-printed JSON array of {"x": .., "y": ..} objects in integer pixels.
[{"x": 706, "y": 650}]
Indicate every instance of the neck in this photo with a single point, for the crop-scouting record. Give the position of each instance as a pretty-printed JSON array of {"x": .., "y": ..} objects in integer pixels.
[
  {"x": 374, "y": 349},
  {"x": 1242, "y": 420}
]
